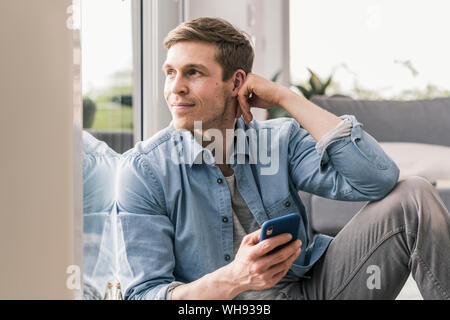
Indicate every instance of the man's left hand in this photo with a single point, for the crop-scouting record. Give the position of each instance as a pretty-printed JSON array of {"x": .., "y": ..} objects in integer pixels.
[{"x": 259, "y": 92}]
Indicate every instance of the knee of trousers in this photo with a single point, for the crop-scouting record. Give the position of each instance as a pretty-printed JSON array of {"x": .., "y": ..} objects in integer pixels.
[
  {"x": 412, "y": 208},
  {"x": 414, "y": 186},
  {"x": 413, "y": 197}
]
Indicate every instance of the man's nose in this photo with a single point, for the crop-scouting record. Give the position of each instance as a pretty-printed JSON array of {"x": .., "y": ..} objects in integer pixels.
[{"x": 179, "y": 85}]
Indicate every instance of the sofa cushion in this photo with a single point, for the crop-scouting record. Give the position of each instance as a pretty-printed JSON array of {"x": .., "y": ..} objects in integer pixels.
[
  {"x": 330, "y": 216},
  {"x": 431, "y": 162},
  {"x": 421, "y": 121}
]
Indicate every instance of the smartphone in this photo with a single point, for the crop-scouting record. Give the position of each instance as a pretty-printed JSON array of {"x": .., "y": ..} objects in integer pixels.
[{"x": 285, "y": 224}]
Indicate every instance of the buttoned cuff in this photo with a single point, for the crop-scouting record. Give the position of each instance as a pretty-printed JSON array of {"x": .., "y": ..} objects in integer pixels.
[{"x": 169, "y": 289}]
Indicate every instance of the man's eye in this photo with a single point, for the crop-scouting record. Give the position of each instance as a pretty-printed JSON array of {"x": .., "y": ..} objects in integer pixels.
[
  {"x": 170, "y": 72},
  {"x": 193, "y": 72}
]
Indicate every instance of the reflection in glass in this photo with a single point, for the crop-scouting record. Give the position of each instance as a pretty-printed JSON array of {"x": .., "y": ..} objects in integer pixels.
[
  {"x": 109, "y": 53},
  {"x": 99, "y": 228}
]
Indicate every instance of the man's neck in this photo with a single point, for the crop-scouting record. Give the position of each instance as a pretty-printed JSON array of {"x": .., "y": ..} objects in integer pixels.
[{"x": 225, "y": 142}]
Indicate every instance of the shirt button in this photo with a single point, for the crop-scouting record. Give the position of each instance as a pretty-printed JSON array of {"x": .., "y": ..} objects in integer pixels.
[
  {"x": 225, "y": 219},
  {"x": 287, "y": 204},
  {"x": 227, "y": 257},
  {"x": 219, "y": 180}
]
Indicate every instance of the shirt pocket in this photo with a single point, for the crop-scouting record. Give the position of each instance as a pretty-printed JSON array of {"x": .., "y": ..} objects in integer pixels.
[{"x": 282, "y": 207}]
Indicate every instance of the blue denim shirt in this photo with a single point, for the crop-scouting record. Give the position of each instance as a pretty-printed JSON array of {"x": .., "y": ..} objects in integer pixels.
[{"x": 172, "y": 211}]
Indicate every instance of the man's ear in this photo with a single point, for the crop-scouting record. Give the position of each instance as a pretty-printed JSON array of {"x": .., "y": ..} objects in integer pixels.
[{"x": 238, "y": 81}]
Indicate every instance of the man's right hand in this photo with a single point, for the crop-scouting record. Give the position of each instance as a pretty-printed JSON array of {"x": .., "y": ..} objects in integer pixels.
[
  {"x": 254, "y": 269},
  {"x": 251, "y": 269}
]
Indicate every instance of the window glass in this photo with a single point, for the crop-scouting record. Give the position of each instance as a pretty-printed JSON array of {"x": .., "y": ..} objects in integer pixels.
[
  {"x": 107, "y": 71},
  {"x": 109, "y": 57},
  {"x": 373, "y": 49}
]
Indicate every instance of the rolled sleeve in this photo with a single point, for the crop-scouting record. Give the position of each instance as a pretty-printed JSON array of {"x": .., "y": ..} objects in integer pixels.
[
  {"x": 342, "y": 130},
  {"x": 353, "y": 168}
]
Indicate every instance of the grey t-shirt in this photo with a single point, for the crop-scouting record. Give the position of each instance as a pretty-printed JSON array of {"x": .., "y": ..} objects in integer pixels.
[{"x": 243, "y": 224}]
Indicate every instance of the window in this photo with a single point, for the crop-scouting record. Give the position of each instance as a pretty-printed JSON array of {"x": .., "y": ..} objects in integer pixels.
[
  {"x": 111, "y": 87},
  {"x": 110, "y": 71},
  {"x": 373, "y": 49}
]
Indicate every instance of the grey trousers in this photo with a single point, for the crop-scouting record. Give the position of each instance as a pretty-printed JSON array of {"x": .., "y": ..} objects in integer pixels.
[{"x": 406, "y": 232}]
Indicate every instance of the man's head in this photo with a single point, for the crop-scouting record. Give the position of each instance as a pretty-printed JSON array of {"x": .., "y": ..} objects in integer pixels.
[{"x": 207, "y": 61}]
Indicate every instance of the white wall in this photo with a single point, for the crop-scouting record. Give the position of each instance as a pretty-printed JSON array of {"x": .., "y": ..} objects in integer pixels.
[
  {"x": 264, "y": 20},
  {"x": 40, "y": 165}
]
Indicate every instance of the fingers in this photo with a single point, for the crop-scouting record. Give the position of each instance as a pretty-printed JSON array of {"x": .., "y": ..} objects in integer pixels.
[
  {"x": 245, "y": 93},
  {"x": 285, "y": 264},
  {"x": 245, "y": 108},
  {"x": 282, "y": 255},
  {"x": 259, "y": 269},
  {"x": 273, "y": 267},
  {"x": 269, "y": 244},
  {"x": 238, "y": 112},
  {"x": 252, "y": 238}
]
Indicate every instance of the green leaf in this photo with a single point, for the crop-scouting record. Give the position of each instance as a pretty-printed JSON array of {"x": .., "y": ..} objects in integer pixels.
[
  {"x": 306, "y": 93},
  {"x": 275, "y": 77},
  {"x": 314, "y": 81},
  {"x": 278, "y": 112},
  {"x": 328, "y": 82}
]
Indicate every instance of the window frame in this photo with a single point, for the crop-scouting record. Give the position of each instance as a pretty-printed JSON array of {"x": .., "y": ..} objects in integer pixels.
[{"x": 158, "y": 18}]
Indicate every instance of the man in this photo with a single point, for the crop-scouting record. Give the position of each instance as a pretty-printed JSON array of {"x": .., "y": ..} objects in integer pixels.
[{"x": 191, "y": 214}]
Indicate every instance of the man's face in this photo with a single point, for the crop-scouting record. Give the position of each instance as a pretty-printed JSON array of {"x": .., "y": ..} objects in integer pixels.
[{"x": 194, "y": 90}]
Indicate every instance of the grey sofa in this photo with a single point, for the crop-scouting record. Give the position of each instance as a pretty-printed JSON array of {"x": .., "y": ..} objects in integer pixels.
[{"x": 416, "y": 134}]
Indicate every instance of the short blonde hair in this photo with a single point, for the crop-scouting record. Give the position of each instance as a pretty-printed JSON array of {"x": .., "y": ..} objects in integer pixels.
[{"x": 234, "y": 50}]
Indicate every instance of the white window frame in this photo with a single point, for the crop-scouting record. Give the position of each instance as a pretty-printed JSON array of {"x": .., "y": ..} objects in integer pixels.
[
  {"x": 136, "y": 20},
  {"x": 158, "y": 18}
]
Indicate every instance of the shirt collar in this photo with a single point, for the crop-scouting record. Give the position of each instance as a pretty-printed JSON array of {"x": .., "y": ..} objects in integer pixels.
[{"x": 192, "y": 152}]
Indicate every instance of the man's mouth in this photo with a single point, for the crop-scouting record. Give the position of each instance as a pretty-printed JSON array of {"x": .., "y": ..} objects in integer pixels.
[{"x": 182, "y": 105}]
